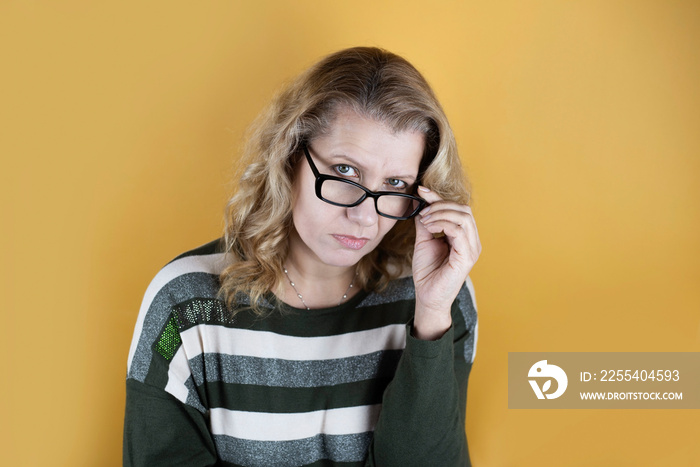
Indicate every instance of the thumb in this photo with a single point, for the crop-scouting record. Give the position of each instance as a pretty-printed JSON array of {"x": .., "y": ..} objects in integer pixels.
[{"x": 422, "y": 233}]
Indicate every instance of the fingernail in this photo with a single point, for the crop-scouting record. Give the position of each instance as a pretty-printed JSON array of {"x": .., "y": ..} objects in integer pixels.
[
  {"x": 425, "y": 211},
  {"x": 425, "y": 189},
  {"x": 424, "y": 218}
]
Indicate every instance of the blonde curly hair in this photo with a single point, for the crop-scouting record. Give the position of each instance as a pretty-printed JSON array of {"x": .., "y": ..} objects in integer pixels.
[{"x": 374, "y": 83}]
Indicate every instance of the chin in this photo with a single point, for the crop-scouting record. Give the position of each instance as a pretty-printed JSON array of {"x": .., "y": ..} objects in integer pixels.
[{"x": 343, "y": 259}]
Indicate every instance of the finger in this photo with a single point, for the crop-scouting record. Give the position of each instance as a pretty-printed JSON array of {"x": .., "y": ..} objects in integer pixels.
[
  {"x": 458, "y": 217},
  {"x": 468, "y": 223},
  {"x": 428, "y": 195},
  {"x": 461, "y": 219},
  {"x": 447, "y": 210},
  {"x": 422, "y": 233},
  {"x": 436, "y": 202},
  {"x": 460, "y": 246},
  {"x": 473, "y": 233}
]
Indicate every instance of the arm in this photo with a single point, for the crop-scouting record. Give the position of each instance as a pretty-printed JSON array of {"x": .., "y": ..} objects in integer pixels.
[
  {"x": 423, "y": 411},
  {"x": 159, "y": 430},
  {"x": 165, "y": 421},
  {"x": 424, "y": 407}
]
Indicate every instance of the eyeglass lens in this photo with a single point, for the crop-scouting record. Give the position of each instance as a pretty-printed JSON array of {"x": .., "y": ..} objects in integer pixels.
[{"x": 344, "y": 193}]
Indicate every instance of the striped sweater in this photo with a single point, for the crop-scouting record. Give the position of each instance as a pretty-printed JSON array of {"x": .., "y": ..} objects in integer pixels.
[{"x": 343, "y": 386}]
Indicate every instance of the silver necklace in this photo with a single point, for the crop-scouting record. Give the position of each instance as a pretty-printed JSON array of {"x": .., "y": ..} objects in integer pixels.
[{"x": 345, "y": 295}]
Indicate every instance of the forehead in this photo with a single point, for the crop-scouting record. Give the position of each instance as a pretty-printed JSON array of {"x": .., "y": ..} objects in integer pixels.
[{"x": 371, "y": 144}]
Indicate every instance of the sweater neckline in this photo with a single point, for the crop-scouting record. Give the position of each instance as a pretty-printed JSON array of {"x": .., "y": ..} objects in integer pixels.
[{"x": 347, "y": 305}]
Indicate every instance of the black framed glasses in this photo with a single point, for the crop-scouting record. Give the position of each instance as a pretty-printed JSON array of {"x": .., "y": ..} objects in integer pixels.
[{"x": 346, "y": 193}]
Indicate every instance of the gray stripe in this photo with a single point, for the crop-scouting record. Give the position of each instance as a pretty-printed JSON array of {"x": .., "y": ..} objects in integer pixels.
[
  {"x": 403, "y": 289},
  {"x": 248, "y": 453},
  {"x": 196, "y": 284},
  {"x": 400, "y": 289},
  {"x": 193, "y": 396},
  {"x": 466, "y": 306},
  {"x": 238, "y": 369}
]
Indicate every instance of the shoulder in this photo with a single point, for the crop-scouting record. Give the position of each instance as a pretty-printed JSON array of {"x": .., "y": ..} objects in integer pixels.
[
  {"x": 208, "y": 257},
  {"x": 193, "y": 274},
  {"x": 403, "y": 289},
  {"x": 190, "y": 268},
  {"x": 466, "y": 304},
  {"x": 397, "y": 290},
  {"x": 399, "y": 296}
]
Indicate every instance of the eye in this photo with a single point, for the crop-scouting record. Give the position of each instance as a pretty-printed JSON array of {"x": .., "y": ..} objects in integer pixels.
[
  {"x": 395, "y": 183},
  {"x": 345, "y": 170}
]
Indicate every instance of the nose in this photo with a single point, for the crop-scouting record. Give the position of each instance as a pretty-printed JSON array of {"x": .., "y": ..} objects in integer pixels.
[{"x": 364, "y": 213}]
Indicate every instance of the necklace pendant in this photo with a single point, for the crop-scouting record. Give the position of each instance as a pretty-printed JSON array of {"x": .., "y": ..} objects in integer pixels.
[{"x": 345, "y": 295}]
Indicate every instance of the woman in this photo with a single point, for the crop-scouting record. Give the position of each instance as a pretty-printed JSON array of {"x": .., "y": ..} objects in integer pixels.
[{"x": 334, "y": 324}]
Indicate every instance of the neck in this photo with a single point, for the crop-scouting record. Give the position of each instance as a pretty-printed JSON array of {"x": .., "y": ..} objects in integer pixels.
[{"x": 321, "y": 285}]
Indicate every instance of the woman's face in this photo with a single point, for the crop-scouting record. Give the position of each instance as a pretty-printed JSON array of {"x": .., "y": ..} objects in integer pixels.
[{"x": 366, "y": 152}]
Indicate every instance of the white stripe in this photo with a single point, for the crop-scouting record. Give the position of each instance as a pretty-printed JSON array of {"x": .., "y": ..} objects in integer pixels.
[
  {"x": 178, "y": 372},
  {"x": 261, "y": 426},
  {"x": 470, "y": 287},
  {"x": 265, "y": 344},
  {"x": 212, "y": 264}
]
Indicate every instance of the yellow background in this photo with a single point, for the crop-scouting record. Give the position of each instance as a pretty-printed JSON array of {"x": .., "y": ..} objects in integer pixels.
[{"x": 578, "y": 123}]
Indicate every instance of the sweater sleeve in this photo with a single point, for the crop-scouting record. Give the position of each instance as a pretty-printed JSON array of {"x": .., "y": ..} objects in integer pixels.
[
  {"x": 166, "y": 419},
  {"x": 422, "y": 421},
  {"x": 159, "y": 430}
]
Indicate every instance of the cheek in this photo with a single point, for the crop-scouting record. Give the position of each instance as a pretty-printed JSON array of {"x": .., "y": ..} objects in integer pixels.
[
  {"x": 296, "y": 189},
  {"x": 385, "y": 225},
  {"x": 310, "y": 214},
  {"x": 302, "y": 193}
]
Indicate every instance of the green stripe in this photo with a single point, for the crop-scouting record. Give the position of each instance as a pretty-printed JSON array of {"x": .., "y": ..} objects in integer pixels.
[
  {"x": 294, "y": 323},
  {"x": 251, "y": 398},
  {"x": 213, "y": 247}
]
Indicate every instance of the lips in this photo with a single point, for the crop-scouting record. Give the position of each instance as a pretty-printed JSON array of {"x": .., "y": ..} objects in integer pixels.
[{"x": 351, "y": 242}]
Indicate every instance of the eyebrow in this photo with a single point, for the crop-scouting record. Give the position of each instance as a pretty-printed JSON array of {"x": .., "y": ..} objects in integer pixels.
[{"x": 352, "y": 161}]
